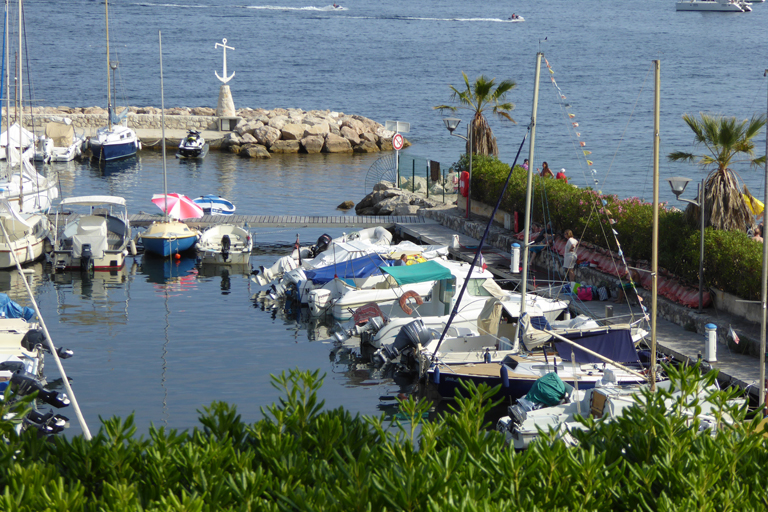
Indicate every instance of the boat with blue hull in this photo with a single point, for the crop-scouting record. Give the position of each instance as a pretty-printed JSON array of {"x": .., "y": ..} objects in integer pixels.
[
  {"x": 114, "y": 141},
  {"x": 168, "y": 238}
]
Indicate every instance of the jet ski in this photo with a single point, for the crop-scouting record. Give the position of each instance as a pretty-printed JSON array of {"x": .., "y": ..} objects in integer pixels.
[{"x": 192, "y": 146}]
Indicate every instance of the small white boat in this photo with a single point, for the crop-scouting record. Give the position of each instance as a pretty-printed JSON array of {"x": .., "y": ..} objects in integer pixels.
[
  {"x": 192, "y": 146},
  {"x": 26, "y": 233},
  {"x": 60, "y": 143},
  {"x": 225, "y": 244},
  {"x": 18, "y": 138},
  {"x": 98, "y": 240},
  {"x": 215, "y": 205},
  {"x": 515, "y": 18},
  {"x": 713, "y": 5}
]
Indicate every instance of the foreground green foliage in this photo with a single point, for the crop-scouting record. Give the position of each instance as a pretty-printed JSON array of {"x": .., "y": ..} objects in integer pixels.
[
  {"x": 732, "y": 261},
  {"x": 301, "y": 457}
]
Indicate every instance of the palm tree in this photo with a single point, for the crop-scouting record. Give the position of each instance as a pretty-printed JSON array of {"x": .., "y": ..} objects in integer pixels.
[
  {"x": 725, "y": 140},
  {"x": 477, "y": 97}
]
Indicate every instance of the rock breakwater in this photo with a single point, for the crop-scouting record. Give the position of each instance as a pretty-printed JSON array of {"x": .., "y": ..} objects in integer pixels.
[{"x": 258, "y": 133}]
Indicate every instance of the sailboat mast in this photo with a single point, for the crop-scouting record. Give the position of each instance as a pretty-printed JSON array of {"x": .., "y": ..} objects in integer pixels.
[
  {"x": 162, "y": 121},
  {"x": 528, "y": 186},
  {"x": 7, "y": 85},
  {"x": 109, "y": 84},
  {"x": 764, "y": 291},
  {"x": 655, "y": 236}
]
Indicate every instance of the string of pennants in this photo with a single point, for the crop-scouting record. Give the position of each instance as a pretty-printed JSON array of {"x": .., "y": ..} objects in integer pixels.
[{"x": 593, "y": 174}]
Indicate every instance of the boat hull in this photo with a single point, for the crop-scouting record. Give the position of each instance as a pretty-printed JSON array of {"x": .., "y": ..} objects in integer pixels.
[
  {"x": 162, "y": 246},
  {"x": 111, "y": 152}
]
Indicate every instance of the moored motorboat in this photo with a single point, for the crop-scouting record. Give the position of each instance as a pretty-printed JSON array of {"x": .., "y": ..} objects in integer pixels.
[
  {"x": 192, "y": 146},
  {"x": 21, "y": 234},
  {"x": 98, "y": 240},
  {"x": 225, "y": 244},
  {"x": 60, "y": 143},
  {"x": 215, "y": 205},
  {"x": 713, "y": 5}
]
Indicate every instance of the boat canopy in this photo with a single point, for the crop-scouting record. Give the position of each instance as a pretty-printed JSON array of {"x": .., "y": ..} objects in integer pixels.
[
  {"x": 549, "y": 390},
  {"x": 615, "y": 344},
  {"x": 419, "y": 273},
  {"x": 365, "y": 266},
  {"x": 94, "y": 200},
  {"x": 62, "y": 134},
  {"x": 11, "y": 309}
]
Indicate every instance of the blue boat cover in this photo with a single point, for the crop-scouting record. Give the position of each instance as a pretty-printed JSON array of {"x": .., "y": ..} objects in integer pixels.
[
  {"x": 421, "y": 273},
  {"x": 616, "y": 345},
  {"x": 11, "y": 309},
  {"x": 364, "y": 266}
]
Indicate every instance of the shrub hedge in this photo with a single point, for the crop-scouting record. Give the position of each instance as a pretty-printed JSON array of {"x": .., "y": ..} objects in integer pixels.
[
  {"x": 301, "y": 457},
  {"x": 732, "y": 261}
]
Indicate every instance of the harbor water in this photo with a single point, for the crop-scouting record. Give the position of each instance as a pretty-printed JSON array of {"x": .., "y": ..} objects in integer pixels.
[{"x": 163, "y": 339}]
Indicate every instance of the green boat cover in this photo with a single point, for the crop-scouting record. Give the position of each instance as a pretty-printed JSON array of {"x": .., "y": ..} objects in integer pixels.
[
  {"x": 419, "y": 273},
  {"x": 548, "y": 390}
]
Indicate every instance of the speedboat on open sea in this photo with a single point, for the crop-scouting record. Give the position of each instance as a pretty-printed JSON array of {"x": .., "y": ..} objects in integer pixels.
[{"x": 713, "y": 5}]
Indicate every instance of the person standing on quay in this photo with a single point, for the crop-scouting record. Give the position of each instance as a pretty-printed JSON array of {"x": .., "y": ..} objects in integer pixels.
[
  {"x": 545, "y": 171},
  {"x": 569, "y": 258}
]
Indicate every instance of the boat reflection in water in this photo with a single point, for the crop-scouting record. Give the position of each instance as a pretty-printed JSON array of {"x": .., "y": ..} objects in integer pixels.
[
  {"x": 225, "y": 272},
  {"x": 12, "y": 284},
  {"x": 159, "y": 270},
  {"x": 94, "y": 298}
]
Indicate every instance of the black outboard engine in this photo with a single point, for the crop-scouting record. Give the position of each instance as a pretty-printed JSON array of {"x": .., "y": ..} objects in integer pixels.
[
  {"x": 322, "y": 244},
  {"x": 46, "y": 424},
  {"x": 35, "y": 337},
  {"x": 86, "y": 258},
  {"x": 409, "y": 337},
  {"x": 226, "y": 246},
  {"x": 25, "y": 384}
]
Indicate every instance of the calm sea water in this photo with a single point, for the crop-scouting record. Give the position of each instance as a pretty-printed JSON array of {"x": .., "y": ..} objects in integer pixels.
[{"x": 163, "y": 339}]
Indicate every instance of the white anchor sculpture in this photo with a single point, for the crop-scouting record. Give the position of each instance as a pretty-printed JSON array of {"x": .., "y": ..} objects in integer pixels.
[
  {"x": 224, "y": 46},
  {"x": 226, "y": 106}
]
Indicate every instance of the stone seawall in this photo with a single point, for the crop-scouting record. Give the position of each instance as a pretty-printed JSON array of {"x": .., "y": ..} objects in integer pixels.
[{"x": 253, "y": 133}]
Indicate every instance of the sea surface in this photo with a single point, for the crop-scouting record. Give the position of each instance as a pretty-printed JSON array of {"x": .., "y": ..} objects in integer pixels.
[{"x": 164, "y": 339}]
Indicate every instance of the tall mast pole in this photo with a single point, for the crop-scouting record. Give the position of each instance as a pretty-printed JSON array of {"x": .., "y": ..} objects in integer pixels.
[
  {"x": 162, "y": 120},
  {"x": 20, "y": 114},
  {"x": 655, "y": 241},
  {"x": 528, "y": 186},
  {"x": 764, "y": 291},
  {"x": 7, "y": 83},
  {"x": 109, "y": 84}
]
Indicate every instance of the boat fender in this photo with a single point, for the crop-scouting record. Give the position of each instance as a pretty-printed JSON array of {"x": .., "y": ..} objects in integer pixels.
[
  {"x": 132, "y": 248},
  {"x": 487, "y": 356},
  {"x": 436, "y": 375},
  {"x": 504, "y": 377},
  {"x": 404, "y": 301}
]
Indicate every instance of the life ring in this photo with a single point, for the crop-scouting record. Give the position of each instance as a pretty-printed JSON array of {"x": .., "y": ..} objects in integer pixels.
[{"x": 404, "y": 301}]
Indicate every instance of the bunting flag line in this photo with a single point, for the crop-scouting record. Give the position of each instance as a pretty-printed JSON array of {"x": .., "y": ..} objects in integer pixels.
[
  {"x": 586, "y": 152},
  {"x": 581, "y": 143},
  {"x": 575, "y": 124},
  {"x": 571, "y": 115},
  {"x": 733, "y": 334},
  {"x": 589, "y": 162}
]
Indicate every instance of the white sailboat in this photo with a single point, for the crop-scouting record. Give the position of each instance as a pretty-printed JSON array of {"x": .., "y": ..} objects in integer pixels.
[
  {"x": 114, "y": 141},
  {"x": 25, "y": 189},
  {"x": 24, "y": 234}
]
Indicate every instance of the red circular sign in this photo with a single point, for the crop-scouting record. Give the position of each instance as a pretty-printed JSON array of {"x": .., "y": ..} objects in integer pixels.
[{"x": 397, "y": 141}]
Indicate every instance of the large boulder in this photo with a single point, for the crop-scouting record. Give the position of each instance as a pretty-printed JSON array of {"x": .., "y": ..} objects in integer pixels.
[
  {"x": 312, "y": 143},
  {"x": 292, "y": 132},
  {"x": 278, "y": 122},
  {"x": 357, "y": 126},
  {"x": 248, "y": 139},
  {"x": 350, "y": 134},
  {"x": 266, "y": 135},
  {"x": 255, "y": 151},
  {"x": 321, "y": 129},
  {"x": 336, "y": 144},
  {"x": 367, "y": 146},
  {"x": 406, "y": 209},
  {"x": 285, "y": 146}
]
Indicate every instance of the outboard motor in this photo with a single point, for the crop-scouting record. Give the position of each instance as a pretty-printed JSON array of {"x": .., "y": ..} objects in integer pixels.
[
  {"x": 322, "y": 244},
  {"x": 35, "y": 337},
  {"x": 226, "y": 246},
  {"x": 410, "y": 336},
  {"x": 46, "y": 424},
  {"x": 26, "y": 384},
  {"x": 86, "y": 258}
]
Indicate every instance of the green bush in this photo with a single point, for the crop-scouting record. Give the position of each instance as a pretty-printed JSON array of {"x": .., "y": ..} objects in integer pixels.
[
  {"x": 732, "y": 261},
  {"x": 301, "y": 457}
]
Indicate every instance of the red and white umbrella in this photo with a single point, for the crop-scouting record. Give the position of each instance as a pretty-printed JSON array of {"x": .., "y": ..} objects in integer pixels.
[{"x": 179, "y": 206}]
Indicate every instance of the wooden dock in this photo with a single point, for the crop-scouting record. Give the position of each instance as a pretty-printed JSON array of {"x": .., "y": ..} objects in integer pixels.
[{"x": 285, "y": 221}]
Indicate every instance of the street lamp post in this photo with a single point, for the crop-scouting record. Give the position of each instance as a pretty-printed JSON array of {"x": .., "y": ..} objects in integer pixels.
[
  {"x": 452, "y": 123},
  {"x": 678, "y": 187}
]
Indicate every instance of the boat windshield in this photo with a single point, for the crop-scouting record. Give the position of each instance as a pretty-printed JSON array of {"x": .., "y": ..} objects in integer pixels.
[{"x": 476, "y": 288}]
